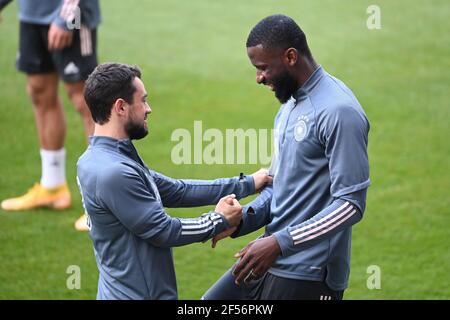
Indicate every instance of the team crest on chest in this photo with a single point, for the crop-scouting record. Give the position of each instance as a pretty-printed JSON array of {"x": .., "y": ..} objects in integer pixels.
[{"x": 301, "y": 128}]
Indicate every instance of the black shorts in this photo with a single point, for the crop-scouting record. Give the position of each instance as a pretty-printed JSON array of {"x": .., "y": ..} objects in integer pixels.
[
  {"x": 270, "y": 287},
  {"x": 73, "y": 63}
]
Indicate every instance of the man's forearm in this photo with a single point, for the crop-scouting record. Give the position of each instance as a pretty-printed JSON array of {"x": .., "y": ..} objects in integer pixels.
[
  {"x": 193, "y": 193},
  {"x": 180, "y": 232},
  {"x": 200, "y": 192},
  {"x": 338, "y": 216},
  {"x": 256, "y": 214}
]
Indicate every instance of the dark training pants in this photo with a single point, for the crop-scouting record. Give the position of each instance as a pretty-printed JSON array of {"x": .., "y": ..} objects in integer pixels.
[{"x": 270, "y": 287}]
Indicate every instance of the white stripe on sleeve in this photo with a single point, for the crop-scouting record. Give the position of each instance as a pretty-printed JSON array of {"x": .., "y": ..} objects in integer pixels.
[{"x": 325, "y": 224}]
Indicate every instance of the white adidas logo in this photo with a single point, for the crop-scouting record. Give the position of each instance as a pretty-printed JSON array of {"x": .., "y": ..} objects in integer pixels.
[{"x": 71, "y": 68}]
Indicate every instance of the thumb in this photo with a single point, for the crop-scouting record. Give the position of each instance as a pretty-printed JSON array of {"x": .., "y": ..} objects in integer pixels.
[
  {"x": 229, "y": 201},
  {"x": 230, "y": 196}
]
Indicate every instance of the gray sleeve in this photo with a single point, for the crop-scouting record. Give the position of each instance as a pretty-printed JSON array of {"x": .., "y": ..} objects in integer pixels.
[
  {"x": 192, "y": 193},
  {"x": 344, "y": 133},
  {"x": 125, "y": 194},
  {"x": 89, "y": 11},
  {"x": 65, "y": 12},
  {"x": 338, "y": 216},
  {"x": 256, "y": 214}
]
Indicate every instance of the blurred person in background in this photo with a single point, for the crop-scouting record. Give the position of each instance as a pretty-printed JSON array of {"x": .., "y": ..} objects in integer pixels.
[{"x": 58, "y": 40}]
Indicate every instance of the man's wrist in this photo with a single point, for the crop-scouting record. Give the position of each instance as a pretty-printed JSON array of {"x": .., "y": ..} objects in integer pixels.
[
  {"x": 284, "y": 241},
  {"x": 238, "y": 229},
  {"x": 61, "y": 23},
  {"x": 276, "y": 245},
  {"x": 224, "y": 219},
  {"x": 249, "y": 184}
]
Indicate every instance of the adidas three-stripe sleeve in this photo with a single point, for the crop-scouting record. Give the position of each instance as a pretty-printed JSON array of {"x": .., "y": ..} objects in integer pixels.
[
  {"x": 139, "y": 209},
  {"x": 339, "y": 215}
]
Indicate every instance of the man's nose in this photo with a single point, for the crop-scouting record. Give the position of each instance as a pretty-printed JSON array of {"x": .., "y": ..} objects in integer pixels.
[{"x": 259, "y": 78}]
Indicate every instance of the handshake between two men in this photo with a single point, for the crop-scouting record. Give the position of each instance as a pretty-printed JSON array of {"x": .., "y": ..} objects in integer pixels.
[
  {"x": 231, "y": 209},
  {"x": 268, "y": 249}
]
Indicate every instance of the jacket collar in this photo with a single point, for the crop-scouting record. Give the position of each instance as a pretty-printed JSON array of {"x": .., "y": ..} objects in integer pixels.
[
  {"x": 123, "y": 146},
  {"x": 309, "y": 85}
]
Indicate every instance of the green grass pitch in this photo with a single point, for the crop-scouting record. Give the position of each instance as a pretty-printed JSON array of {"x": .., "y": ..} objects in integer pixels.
[{"x": 195, "y": 67}]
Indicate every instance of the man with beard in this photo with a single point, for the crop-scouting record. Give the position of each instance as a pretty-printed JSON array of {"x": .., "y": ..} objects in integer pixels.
[
  {"x": 321, "y": 175},
  {"x": 124, "y": 200}
]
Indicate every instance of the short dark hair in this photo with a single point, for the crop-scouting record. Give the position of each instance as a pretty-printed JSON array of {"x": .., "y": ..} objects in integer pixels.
[
  {"x": 279, "y": 32},
  {"x": 107, "y": 83}
]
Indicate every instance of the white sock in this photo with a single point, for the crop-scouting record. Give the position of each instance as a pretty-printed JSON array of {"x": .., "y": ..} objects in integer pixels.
[{"x": 53, "y": 168}]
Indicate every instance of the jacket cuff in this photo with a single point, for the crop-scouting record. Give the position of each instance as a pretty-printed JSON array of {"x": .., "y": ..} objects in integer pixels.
[
  {"x": 60, "y": 22},
  {"x": 249, "y": 185},
  {"x": 284, "y": 241},
  {"x": 221, "y": 226},
  {"x": 245, "y": 213}
]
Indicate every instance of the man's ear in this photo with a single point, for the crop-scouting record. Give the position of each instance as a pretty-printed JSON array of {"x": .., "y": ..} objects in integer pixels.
[
  {"x": 120, "y": 107},
  {"x": 291, "y": 56}
]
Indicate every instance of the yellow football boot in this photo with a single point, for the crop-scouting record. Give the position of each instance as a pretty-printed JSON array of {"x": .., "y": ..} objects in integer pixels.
[{"x": 57, "y": 198}]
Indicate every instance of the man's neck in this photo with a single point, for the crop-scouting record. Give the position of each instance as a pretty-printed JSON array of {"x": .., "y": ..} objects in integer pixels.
[{"x": 306, "y": 69}]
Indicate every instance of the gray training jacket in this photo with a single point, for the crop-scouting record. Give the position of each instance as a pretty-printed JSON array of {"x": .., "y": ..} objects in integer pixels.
[
  {"x": 321, "y": 176},
  {"x": 131, "y": 232}
]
